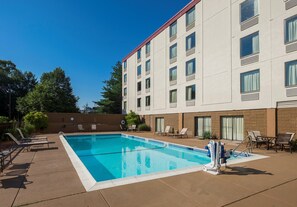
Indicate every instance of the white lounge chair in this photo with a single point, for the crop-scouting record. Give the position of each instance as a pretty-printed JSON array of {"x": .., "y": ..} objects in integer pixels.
[
  {"x": 132, "y": 128},
  {"x": 166, "y": 131},
  {"x": 181, "y": 134},
  {"x": 30, "y": 138},
  {"x": 256, "y": 138},
  {"x": 28, "y": 144},
  {"x": 80, "y": 127},
  {"x": 94, "y": 127}
]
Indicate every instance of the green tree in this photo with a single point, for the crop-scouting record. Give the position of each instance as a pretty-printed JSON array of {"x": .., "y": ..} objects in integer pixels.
[
  {"x": 111, "y": 102},
  {"x": 13, "y": 84},
  {"x": 53, "y": 94}
]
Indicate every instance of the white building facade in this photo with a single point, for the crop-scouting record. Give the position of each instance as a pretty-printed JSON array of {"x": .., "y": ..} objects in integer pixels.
[{"x": 219, "y": 66}]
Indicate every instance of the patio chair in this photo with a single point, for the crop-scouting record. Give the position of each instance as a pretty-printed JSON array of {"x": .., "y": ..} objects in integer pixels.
[
  {"x": 93, "y": 127},
  {"x": 284, "y": 140},
  {"x": 166, "y": 131},
  {"x": 256, "y": 138},
  {"x": 80, "y": 127},
  {"x": 28, "y": 144},
  {"x": 181, "y": 134},
  {"x": 30, "y": 138},
  {"x": 132, "y": 128}
]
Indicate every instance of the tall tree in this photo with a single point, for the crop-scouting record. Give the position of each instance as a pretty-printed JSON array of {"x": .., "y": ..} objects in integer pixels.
[
  {"x": 53, "y": 94},
  {"x": 111, "y": 102},
  {"x": 13, "y": 84}
]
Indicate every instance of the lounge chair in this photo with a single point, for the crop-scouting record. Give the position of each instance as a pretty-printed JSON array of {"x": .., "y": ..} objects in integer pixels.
[
  {"x": 28, "y": 144},
  {"x": 94, "y": 127},
  {"x": 166, "y": 131},
  {"x": 256, "y": 138},
  {"x": 181, "y": 134},
  {"x": 132, "y": 128},
  {"x": 80, "y": 127},
  {"x": 284, "y": 140},
  {"x": 30, "y": 138}
]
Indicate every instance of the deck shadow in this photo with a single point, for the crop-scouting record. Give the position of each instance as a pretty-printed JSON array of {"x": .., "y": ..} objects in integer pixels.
[
  {"x": 15, "y": 182},
  {"x": 44, "y": 149},
  {"x": 244, "y": 171}
]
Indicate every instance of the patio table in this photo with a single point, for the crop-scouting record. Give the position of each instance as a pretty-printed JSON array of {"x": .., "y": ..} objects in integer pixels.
[{"x": 268, "y": 140}]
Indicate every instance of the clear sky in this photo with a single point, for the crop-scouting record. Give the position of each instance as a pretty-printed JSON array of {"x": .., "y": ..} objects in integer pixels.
[{"x": 84, "y": 37}]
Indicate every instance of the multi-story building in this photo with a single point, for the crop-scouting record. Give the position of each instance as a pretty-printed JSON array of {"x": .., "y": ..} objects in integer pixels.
[{"x": 224, "y": 66}]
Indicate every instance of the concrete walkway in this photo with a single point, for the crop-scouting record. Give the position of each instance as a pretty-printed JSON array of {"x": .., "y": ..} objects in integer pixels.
[{"x": 46, "y": 177}]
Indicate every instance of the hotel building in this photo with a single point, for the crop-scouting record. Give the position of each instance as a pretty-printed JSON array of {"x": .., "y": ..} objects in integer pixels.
[{"x": 223, "y": 66}]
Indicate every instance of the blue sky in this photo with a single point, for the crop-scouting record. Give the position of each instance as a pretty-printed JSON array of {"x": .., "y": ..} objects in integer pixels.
[{"x": 84, "y": 37}]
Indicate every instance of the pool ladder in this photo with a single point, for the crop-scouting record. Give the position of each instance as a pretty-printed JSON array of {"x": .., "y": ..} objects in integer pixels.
[{"x": 246, "y": 151}]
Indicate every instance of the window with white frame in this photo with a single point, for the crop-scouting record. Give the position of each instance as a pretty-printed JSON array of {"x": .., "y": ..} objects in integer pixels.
[
  {"x": 250, "y": 81},
  {"x": 191, "y": 67},
  {"x": 138, "y": 54},
  {"x": 190, "y": 41},
  {"x": 202, "y": 125},
  {"x": 249, "y": 45},
  {"x": 173, "y": 96},
  {"x": 138, "y": 102},
  {"x": 125, "y": 91},
  {"x": 190, "y": 93},
  {"x": 248, "y": 9},
  {"x": 139, "y": 86},
  {"x": 291, "y": 73},
  {"x": 190, "y": 16},
  {"x": 147, "y": 83},
  {"x": 147, "y": 101},
  {"x": 173, "y": 74},
  {"x": 125, "y": 64},
  {"x": 125, "y": 105},
  {"x": 173, "y": 51},
  {"x": 173, "y": 29},
  {"x": 125, "y": 78},
  {"x": 291, "y": 29},
  {"x": 148, "y": 48},
  {"x": 138, "y": 70},
  {"x": 148, "y": 65},
  {"x": 232, "y": 128}
]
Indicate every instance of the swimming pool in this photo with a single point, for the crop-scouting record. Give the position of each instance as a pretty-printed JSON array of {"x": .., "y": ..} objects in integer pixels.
[{"x": 108, "y": 160}]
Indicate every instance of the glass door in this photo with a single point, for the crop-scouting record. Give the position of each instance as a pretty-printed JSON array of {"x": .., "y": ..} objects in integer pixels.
[
  {"x": 159, "y": 124},
  {"x": 232, "y": 128}
]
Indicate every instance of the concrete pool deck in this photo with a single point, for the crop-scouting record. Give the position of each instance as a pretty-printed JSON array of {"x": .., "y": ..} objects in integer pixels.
[{"x": 47, "y": 178}]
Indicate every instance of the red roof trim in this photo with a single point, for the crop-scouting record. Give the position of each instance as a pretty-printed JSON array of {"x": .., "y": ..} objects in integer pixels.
[{"x": 164, "y": 26}]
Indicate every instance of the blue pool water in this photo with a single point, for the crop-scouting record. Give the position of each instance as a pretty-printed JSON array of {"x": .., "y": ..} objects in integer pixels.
[{"x": 115, "y": 156}]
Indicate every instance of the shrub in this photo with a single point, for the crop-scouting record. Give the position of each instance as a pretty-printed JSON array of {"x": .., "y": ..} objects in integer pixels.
[
  {"x": 132, "y": 118},
  {"x": 4, "y": 120},
  {"x": 206, "y": 135},
  {"x": 35, "y": 120},
  {"x": 144, "y": 127}
]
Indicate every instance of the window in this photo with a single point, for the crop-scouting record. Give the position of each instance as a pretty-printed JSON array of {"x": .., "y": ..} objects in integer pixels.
[
  {"x": 232, "y": 128},
  {"x": 139, "y": 86},
  {"x": 173, "y": 51},
  {"x": 125, "y": 105},
  {"x": 173, "y": 29},
  {"x": 249, "y": 45},
  {"x": 250, "y": 81},
  {"x": 139, "y": 70},
  {"x": 190, "y": 41},
  {"x": 190, "y": 16},
  {"x": 138, "y": 102},
  {"x": 291, "y": 73},
  {"x": 125, "y": 91},
  {"x": 147, "y": 101},
  {"x": 147, "y": 83},
  {"x": 248, "y": 9},
  {"x": 138, "y": 54},
  {"x": 291, "y": 29},
  {"x": 159, "y": 124},
  {"x": 148, "y": 65},
  {"x": 173, "y": 74},
  {"x": 190, "y": 67},
  {"x": 173, "y": 96},
  {"x": 125, "y": 78},
  {"x": 125, "y": 64},
  {"x": 190, "y": 93},
  {"x": 148, "y": 48},
  {"x": 202, "y": 125}
]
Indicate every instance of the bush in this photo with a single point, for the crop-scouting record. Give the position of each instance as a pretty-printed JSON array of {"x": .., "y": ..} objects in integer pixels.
[
  {"x": 35, "y": 121},
  {"x": 132, "y": 118},
  {"x": 4, "y": 120},
  {"x": 144, "y": 127},
  {"x": 206, "y": 135}
]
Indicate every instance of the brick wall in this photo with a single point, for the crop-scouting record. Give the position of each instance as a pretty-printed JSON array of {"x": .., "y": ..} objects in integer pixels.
[
  {"x": 287, "y": 120},
  {"x": 169, "y": 120},
  {"x": 64, "y": 122}
]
